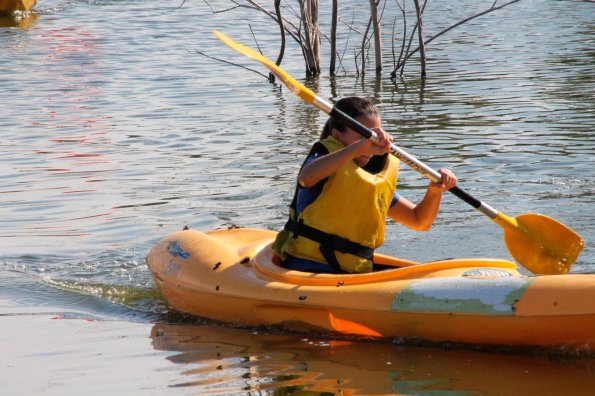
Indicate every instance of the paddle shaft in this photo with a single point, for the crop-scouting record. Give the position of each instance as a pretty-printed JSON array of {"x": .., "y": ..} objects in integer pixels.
[{"x": 404, "y": 156}]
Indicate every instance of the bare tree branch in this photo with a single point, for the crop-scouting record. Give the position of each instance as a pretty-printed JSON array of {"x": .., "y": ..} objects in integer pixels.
[
  {"x": 493, "y": 8},
  {"x": 255, "y": 6},
  {"x": 221, "y": 11},
  {"x": 302, "y": 25},
  {"x": 230, "y": 63},
  {"x": 333, "y": 38},
  {"x": 420, "y": 32},
  {"x": 402, "y": 8},
  {"x": 174, "y": 9},
  {"x": 255, "y": 39},
  {"x": 375, "y": 20},
  {"x": 282, "y": 31}
]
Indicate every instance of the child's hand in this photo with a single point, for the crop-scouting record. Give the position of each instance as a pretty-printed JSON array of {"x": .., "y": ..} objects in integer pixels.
[
  {"x": 369, "y": 147},
  {"x": 384, "y": 139},
  {"x": 449, "y": 180}
]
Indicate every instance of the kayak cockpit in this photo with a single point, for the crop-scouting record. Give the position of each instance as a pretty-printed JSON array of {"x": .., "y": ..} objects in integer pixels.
[{"x": 267, "y": 262}]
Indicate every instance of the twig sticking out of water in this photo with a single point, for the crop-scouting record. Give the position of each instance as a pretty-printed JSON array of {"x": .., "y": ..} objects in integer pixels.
[{"x": 230, "y": 63}]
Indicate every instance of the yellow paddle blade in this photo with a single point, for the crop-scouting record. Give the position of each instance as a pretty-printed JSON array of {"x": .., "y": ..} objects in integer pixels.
[
  {"x": 297, "y": 88},
  {"x": 541, "y": 244}
]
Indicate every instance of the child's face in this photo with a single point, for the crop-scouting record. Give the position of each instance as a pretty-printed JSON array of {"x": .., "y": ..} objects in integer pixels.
[{"x": 349, "y": 136}]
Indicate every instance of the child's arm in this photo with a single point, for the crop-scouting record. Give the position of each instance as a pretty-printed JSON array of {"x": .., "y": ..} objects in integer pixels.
[
  {"x": 328, "y": 164},
  {"x": 324, "y": 166},
  {"x": 420, "y": 217}
]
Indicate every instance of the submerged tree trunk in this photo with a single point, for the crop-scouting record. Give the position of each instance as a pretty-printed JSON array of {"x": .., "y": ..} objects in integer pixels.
[
  {"x": 332, "y": 66},
  {"x": 311, "y": 45},
  {"x": 282, "y": 29},
  {"x": 420, "y": 32},
  {"x": 377, "y": 35}
]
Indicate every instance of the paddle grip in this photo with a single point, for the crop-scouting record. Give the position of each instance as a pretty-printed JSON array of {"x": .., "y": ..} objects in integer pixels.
[{"x": 459, "y": 192}]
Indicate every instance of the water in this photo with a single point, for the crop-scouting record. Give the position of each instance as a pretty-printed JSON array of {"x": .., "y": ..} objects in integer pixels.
[{"x": 114, "y": 132}]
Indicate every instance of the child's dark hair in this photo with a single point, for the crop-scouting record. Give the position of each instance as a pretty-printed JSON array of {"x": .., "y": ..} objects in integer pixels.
[{"x": 353, "y": 106}]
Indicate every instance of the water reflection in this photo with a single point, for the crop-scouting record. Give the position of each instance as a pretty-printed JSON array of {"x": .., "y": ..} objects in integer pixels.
[
  {"x": 220, "y": 360},
  {"x": 64, "y": 141}
]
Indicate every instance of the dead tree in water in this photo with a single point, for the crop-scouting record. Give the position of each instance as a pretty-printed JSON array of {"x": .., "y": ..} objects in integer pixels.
[
  {"x": 305, "y": 32},
  {"x": 282, "y": 49},
  {"x": 375, "y": 26},
  {"x": 333, "y": 38},
  {"x": 303, "y": 26},
  {"x": 420, "y": 32},
  {"x": 377, "y": 35},
  {"x": 311, "y": 43},
  {"x": 423, "y": 43}
]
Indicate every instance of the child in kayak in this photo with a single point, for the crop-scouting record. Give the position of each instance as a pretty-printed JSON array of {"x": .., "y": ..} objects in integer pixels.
[{"x": 346, "y": 188}]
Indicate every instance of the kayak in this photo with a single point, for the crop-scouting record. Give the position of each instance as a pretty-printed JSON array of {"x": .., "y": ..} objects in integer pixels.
[
  {"x": 234, "y": 276},
  {"x": 9, "y": 6}
]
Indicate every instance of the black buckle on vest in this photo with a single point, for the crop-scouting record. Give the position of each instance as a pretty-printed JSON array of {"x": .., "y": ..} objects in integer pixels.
[
  {"x": 329, "y": 243},
  {"x": 295, "y": 227}
]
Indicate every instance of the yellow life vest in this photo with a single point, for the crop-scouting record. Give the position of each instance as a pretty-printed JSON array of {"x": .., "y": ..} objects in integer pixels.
[{"x": 353, "y": 205}]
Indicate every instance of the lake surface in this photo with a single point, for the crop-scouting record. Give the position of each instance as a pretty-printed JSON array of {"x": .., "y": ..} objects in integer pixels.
[{"x": 115, "y": 132}]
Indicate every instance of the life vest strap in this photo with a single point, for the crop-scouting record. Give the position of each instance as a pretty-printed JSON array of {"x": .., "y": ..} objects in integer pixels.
[{"x": 329, "y": 243}]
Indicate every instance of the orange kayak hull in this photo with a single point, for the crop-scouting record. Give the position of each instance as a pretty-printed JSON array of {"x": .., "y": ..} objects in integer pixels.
[{"x": 233, "y": 276}]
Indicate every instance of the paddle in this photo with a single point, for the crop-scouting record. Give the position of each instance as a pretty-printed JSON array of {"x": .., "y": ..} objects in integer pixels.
[{"x": 540, "y": 243}]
